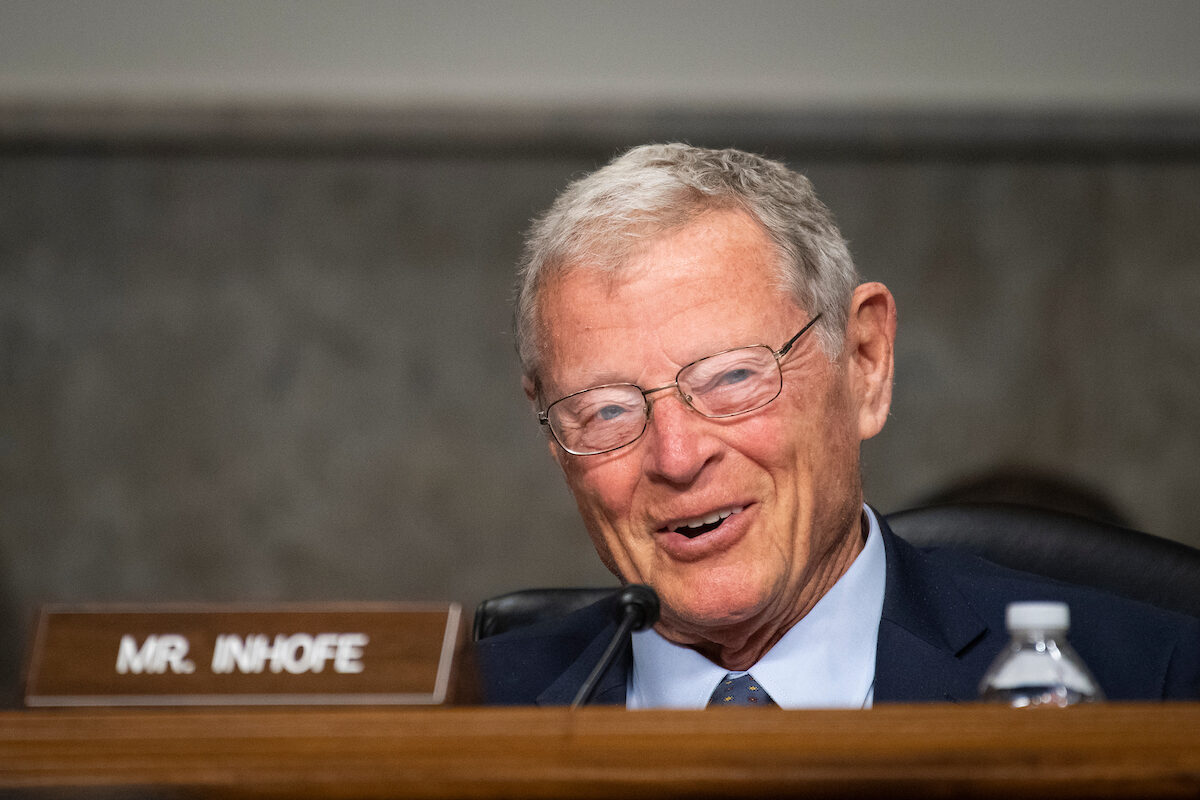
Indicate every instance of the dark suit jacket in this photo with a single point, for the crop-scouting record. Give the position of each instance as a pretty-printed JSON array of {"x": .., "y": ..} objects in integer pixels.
[{"x": 942, "y": 625}]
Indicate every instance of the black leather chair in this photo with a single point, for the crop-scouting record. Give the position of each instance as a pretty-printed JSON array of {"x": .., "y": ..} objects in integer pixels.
[
  {"x": 1065, "y": 547},
  {"x": 1061, "y": 546},
  {"x": 527, "y": 606}
]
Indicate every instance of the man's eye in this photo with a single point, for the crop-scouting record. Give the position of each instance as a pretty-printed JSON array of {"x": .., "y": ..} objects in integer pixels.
[
  {"x": 733, "y": 376},
  {"x": 610, "y": 412}
]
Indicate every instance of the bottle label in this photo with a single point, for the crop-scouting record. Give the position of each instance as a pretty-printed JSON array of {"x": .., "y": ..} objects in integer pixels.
[{"x": 1030, "y": 668}]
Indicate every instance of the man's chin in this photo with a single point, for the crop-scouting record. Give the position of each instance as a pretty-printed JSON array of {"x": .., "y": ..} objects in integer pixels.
[{"x": 691, "y": 620}]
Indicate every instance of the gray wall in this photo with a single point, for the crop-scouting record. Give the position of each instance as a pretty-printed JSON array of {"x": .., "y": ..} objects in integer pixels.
[
  {"x": 234, "y": 374},
  {"x": 712, "y": 54}
]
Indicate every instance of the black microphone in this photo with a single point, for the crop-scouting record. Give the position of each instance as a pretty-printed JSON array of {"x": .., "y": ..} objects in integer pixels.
[{"x": 636, "y": 609}]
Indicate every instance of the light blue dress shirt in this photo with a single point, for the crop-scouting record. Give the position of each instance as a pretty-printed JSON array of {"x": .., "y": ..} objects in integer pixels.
[{"x": 827, "y": 659}]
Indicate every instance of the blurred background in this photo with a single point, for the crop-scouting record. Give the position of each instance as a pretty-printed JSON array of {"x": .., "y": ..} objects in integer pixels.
[{"x": 255, "y": 262}]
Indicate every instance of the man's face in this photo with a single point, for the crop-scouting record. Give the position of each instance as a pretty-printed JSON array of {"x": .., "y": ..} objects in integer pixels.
[{"x": 786, "y": 474}]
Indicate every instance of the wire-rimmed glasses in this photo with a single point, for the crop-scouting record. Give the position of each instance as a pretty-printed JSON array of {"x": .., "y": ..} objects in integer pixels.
[{"x": 605, "y": 418}]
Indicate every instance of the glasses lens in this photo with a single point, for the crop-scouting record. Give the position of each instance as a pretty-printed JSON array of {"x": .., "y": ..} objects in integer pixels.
[
  {"x": 599, "y": 419},
  {"x": 733, "y": 382}
]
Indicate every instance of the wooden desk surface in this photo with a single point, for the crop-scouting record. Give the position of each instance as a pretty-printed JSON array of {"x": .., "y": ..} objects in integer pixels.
[{"x": 897, "y": 751}]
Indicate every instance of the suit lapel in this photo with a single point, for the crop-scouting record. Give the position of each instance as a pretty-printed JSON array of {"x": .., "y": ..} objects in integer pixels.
[
  {"x": 928, "y": 636},
  {"x": 611, "y": 688}
]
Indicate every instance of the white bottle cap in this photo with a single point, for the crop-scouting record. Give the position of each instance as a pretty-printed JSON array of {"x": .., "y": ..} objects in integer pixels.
[{"x": 1038, "y": 616}]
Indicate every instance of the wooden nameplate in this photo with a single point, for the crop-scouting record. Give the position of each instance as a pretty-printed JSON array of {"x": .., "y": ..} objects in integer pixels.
[{"x": 220, "y": 655}]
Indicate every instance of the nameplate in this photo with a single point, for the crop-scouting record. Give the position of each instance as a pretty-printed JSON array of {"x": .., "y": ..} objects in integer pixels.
[{"x": 196, "y": 655}]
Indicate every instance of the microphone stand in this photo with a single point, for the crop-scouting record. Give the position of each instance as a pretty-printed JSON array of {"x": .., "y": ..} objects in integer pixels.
[{"x": 637, "y": 608}]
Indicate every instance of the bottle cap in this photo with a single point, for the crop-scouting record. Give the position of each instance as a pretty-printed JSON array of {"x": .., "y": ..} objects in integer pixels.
[{"x": 1038, "y": 616}]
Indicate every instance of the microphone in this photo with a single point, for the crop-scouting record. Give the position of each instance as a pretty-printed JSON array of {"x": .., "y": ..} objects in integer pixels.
[{"x": 636, "y": 609}]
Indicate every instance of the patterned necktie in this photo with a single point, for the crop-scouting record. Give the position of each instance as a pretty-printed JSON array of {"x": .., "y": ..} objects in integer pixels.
[{"x": 743, "y": 691}]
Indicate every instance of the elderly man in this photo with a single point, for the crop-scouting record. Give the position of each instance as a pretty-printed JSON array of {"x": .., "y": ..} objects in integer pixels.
[{"x": 695, "y": 340}]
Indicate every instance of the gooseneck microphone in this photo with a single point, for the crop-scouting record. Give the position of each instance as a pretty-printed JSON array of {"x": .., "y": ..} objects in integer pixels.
[{"x": 636, "y": 609}]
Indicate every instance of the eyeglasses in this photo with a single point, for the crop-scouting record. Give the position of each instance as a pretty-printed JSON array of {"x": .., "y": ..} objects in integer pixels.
[{"x": 609, "y": 417}]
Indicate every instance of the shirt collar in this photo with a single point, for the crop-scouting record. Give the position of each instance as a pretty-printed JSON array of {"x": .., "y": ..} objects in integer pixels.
[{"x": 826, "y": 660}]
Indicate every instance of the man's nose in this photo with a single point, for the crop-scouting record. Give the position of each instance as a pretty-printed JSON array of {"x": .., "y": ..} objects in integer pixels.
[{"x": 679, "y": 443}]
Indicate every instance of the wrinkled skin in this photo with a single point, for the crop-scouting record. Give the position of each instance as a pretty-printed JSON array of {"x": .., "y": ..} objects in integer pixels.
[{"x": 792, "y": 466}]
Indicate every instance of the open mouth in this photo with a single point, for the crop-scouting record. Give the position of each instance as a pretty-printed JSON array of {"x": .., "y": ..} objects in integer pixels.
[{"x": 699, "y": 526}]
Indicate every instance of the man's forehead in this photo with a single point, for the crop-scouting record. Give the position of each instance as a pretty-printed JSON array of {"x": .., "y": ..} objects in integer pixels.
[{"x": 607, "y": 344}]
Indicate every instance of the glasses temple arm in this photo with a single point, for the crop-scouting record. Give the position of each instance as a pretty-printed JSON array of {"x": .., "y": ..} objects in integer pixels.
[{"x": 783, "y": 351}]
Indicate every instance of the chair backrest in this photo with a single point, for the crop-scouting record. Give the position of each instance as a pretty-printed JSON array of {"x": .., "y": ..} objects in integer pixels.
[
  {"x": 527, "y": 606},
  {"x": 1061, "y": 546},
  {"x": 1065, "y": 547}
]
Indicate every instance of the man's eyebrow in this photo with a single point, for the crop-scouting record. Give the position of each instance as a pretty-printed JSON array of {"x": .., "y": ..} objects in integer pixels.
[
  {"x": 590, "y": 378},
  {"x": 598, "y": 378}
]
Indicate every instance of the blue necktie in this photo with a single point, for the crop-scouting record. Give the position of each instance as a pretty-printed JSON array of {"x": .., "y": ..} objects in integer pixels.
[{"x": 743, "y": 691}]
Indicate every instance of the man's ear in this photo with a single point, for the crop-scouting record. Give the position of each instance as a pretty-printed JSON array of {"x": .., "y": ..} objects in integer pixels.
[{"x": 870, "y": 345}]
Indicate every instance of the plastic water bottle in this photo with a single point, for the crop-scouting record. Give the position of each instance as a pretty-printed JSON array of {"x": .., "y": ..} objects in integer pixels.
[{"x": 1038, "y": 667}]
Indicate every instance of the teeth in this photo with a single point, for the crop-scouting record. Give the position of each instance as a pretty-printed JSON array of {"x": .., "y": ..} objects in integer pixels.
[{"x": 716, "y": 516}]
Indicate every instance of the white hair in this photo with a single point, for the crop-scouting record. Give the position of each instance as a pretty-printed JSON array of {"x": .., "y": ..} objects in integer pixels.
[{"x": 599, "y": 218}]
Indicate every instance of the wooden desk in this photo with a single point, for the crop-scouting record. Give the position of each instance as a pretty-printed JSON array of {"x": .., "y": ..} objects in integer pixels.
[{"x": 896, "y": 751}]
